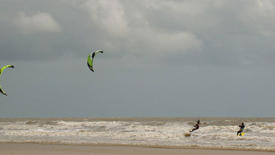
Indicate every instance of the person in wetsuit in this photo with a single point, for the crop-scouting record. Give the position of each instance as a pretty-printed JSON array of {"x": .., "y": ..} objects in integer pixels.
[
  {"x": 196, "y": 126},
  {"x": 242, "y": 126}
]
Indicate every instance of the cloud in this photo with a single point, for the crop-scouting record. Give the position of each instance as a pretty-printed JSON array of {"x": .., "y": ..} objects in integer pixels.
[
  {"x": 108, "y": 14},
  {"x": 215, "y": 32},
  {"x": 162, "y": 42},
  {"x": 220, "y": 50},
  {"x": 131, "y": 30},
  {"x": 39, "y": 22},
  {"x": 259, "y": 17}
]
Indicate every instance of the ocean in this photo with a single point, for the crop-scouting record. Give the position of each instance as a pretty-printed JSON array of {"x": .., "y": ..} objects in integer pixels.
[{"x": 214, "y": 133}]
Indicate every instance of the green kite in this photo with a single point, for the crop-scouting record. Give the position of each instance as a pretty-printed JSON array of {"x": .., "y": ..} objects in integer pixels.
[
  {"x": 1, "y": 71},
  {"x": 91, "y": 60}
]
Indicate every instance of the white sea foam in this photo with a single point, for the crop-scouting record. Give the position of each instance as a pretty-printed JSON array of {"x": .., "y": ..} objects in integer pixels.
[{"x": 222, "y": 134}]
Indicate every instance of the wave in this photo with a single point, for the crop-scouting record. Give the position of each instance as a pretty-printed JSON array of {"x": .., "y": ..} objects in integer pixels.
[{"x": 169, "y": 133}]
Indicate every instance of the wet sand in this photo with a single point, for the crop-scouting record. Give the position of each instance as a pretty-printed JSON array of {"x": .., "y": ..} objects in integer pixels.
[{"x": 56, "y": 149}]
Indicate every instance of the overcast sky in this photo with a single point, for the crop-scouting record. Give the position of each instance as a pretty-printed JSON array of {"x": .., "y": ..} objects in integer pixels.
[{"x": 161, "y": 58}]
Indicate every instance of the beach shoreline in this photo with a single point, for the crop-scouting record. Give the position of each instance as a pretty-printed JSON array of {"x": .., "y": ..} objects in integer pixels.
[{"x": 110, "y": 149}]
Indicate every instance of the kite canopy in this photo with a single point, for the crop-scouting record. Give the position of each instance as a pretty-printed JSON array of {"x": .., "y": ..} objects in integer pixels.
[
  {"x": 90, "y": 59},
  {"x": 1, "y": 71}
]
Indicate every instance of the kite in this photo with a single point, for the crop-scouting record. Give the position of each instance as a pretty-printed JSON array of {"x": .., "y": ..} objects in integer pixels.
[
  {"x": 90, "y": 59},
  {"x": 1, "y": 71}
]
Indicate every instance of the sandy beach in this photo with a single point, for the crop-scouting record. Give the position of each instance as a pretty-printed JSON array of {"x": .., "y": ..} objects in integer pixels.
[{"x": 46, "y": 149}]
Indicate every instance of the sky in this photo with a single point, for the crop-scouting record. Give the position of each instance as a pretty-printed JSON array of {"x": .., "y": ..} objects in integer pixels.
[{"x": 162, "y": 58}]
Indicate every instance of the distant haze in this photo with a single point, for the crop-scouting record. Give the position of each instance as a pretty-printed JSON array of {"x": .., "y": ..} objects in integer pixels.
[{"x": 162, "y": 58}]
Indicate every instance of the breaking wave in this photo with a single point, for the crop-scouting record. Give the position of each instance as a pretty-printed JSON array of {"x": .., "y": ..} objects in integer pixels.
[{"x": 220, "y": 134}]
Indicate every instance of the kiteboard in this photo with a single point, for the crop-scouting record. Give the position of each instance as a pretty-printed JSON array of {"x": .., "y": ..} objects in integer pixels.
[
  {"x": 241, "y": 134},
  {"x": 187, "y": 134}
]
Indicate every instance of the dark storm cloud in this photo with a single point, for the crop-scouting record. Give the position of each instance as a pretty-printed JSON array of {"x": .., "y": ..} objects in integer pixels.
[
  {"x": 220, "y": 31},
  {"x": 27, "y": 34},
  {"x": 161, "y": 58}
]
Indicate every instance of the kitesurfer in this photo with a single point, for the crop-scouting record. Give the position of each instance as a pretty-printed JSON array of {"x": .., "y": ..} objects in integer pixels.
[
  {"x": 196, "y": 126},
  {"x": 242, "y": 126}
]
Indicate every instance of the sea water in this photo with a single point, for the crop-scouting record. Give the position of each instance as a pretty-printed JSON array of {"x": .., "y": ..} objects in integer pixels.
[{"x": 219, "y": 133}]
